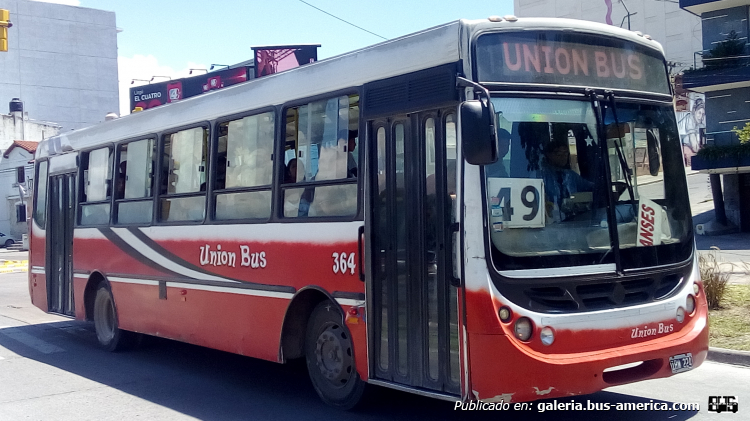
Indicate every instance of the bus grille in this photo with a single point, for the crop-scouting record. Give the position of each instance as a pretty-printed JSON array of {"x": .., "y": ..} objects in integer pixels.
[{"x": 601, "y": 295}]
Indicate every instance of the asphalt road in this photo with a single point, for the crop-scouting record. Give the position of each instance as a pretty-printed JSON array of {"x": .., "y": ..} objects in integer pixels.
[{"x": 52, "y": 369}]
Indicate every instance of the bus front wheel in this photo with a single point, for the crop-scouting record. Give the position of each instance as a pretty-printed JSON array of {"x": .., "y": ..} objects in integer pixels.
[
  {"x": 329, "y": 353},
  {"x": 108, "y": 332}
]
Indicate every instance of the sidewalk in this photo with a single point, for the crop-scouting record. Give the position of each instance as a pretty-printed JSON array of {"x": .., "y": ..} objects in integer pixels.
[
  {"x": 733, "y": 254},
  {"x": 733, "y": 250},
  {"x": 13, "y": 261}
]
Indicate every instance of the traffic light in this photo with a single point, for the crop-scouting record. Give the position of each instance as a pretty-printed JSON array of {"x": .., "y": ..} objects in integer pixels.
[{"x": 4, "y": 25}]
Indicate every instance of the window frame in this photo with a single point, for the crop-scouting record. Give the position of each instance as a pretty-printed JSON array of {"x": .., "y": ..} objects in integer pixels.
[
  {"x": 213, "y": 193},
  {"x": 158, "y": 195},
  {"x": 82, "y": 187},
  {"x": 280, "y": 187},
  {"x": 19, "y": 206},
  {"x": 115, "y": 200},
  {"x": 37, "y": 178}
]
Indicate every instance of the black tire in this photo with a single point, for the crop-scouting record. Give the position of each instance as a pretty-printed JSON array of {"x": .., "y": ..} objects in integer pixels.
[
  {"x": 9, "y": 243},
  {"x": 329, "y": 353},
  {"x": 108, "y": 332}
]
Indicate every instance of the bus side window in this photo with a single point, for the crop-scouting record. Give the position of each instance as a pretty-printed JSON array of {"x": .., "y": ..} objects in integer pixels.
[
  {"x": 321, "y": 140},
  {"x": 244, "y": 168},
  {"x": 134, "y": 179},
  {"x": 96, "y": 191},
  {"x": 183, "y": 178}
]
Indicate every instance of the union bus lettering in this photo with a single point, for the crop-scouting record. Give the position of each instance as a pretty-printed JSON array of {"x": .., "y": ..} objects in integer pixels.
[
  {"x": 305, "y": 223},
  {"x": 547, "y": 59}
]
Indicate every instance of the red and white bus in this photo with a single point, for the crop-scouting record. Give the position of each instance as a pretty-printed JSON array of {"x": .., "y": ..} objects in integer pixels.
[{"x": 477, "y": 211}]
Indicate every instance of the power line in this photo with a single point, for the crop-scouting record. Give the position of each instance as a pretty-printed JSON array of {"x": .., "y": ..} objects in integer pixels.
[{"x": 342, "y": 20}]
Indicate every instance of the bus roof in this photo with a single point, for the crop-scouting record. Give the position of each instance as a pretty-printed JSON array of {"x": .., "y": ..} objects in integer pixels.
[{"x": 421, "y": 50}]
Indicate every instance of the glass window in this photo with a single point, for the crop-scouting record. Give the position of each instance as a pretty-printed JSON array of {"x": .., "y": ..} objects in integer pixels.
[
  {"x": 245, "y": 152},
  {"x": 321, "y": 146},
  {"x": 245, "y": 161},
  {"x": 97, "y": 170},
  {"x": 96, "y": 175},
  {"x": 184, "y": 165},
  {"x": 135, "y": 170},
  {"x": 21, "y": 213},
  {"x": 183, "y": 172},
  {"x": 548, "y": 196},
  {"x": 134, "y": 181},
  {"x": 40, "y": 213},
  {"x": 648, "y": 184}
]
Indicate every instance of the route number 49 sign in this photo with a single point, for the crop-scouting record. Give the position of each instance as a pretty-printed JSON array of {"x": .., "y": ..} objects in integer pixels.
[{"x": 516, "y": 203}]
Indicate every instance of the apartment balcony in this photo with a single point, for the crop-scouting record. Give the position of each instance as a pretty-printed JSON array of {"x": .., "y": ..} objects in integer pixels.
[
  {"x": 699, "y": 7},
  {"x": 719, "y": 74}
]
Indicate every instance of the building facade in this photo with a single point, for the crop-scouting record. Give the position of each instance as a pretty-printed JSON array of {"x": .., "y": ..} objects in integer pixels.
[
  {"x": 61, "y": 62},
  {"x": 16, "y": 175},
  {"x": 678, "y": 31},
  {"x": 16, "y": 125},
  {"x": 19, "y": 137},
  {"x": 724, "y": 78}
]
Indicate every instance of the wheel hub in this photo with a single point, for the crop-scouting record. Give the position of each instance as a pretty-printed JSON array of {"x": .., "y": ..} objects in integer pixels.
[
  {"x": 105, "y": 320},
  {"x": 330, "y": 352}
]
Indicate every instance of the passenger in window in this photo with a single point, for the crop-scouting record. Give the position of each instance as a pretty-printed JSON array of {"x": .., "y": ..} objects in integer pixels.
[
  {"x": 290, "y": 175},
  {"x": 498, "y": 169},
  {"x": 351, "y": 164},
  {"x": 297, "y": 201},
  {"x": 120, "y": 180},
  {"x": 561, "y": 182}
]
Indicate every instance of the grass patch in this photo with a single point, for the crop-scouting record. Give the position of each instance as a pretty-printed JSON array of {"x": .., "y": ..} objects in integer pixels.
[{"x": 729, "y": 326}]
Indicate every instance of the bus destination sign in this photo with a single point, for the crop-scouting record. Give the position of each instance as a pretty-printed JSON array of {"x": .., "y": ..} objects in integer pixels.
[{"x": 570, "y": 60}]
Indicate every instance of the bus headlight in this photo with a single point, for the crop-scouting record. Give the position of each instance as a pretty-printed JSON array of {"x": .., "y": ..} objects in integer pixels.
[
  {"x": 523, "y": 329},
  {"x": 680, "y": 314},
  {"x": 504, "y": 314},
  {"x": 689, "y": 304},
  {"x": 696, "y": 289},
  {"x": 547, "y": 335}
]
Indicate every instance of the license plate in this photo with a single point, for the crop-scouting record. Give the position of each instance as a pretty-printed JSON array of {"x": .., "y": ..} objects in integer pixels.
[{"x": 680, "y": 363}]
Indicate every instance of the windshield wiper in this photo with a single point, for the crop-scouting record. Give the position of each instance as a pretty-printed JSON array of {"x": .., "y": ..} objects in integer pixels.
[
  {"x": 614, "y": 235},
  {"x": 618, "y": 147}
]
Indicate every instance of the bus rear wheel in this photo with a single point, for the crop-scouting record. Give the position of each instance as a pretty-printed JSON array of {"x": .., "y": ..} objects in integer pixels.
[
  {"x": 108, "y": 332},
  {"x": 329, "y": 353}
]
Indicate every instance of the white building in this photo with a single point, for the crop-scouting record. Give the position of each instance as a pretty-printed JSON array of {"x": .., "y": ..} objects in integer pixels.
[
  {"x": 680, "y": 32},
  {"x": 16, "y": 170},
  {"x": 17, "y": 126},
  {"x": 61, "y": 62},
  {"x": 18, "y": 141}
]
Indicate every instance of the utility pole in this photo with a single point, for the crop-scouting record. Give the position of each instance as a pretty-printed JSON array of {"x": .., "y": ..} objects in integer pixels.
[{"x": 626, "y": 16}]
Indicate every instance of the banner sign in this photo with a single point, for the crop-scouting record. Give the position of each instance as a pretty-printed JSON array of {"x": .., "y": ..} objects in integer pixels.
[
  {"x": 270, "y": 60},
  {"x": 557, "y": 58},
  {"x": 155, "y": 94}
]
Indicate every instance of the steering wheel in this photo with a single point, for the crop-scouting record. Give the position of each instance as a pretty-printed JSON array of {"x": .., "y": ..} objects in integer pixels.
[{"x": 619, "y": 188}]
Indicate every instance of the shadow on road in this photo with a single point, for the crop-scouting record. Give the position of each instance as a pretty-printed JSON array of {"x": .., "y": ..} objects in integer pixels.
[
  {"x": 736, "y": 241},
  {"x": 214, "y": 385}
]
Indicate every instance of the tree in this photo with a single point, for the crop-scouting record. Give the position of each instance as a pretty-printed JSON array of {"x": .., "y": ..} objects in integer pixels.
[
  {"x": 725, "y": 52},
  {"x": 743, "y": 133}
]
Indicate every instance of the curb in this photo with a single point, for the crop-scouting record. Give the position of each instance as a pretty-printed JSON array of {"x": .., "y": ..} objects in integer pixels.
[{"x": 729, "y": 356}]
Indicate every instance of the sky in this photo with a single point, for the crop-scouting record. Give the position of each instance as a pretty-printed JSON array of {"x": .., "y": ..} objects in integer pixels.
[{"x": 168, "y": 38}]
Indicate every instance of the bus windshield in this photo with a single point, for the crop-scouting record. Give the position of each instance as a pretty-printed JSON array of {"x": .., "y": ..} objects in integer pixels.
[{"x": 547, "y": 195}]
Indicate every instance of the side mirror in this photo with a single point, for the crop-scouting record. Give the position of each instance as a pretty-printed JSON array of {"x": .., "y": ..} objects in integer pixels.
[
  {"x": 652, "y": 148},
  {"x": 478, "y": 134}
]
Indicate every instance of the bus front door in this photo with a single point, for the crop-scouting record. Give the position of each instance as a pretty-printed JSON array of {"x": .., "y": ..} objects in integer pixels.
[
  {"x": 61, "y": 206},
  {"x": 414, "y": 341}
]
